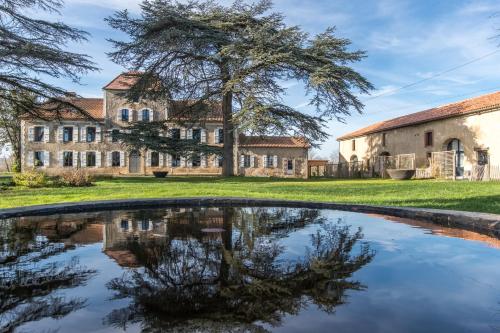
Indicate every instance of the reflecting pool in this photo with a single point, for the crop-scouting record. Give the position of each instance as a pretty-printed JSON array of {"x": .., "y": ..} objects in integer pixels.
[{"x": 244, "y": 269}]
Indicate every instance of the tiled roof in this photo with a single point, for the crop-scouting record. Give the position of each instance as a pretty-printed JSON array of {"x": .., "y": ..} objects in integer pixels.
[
  {"x": 92, "y": 106},
  {"x": 272, "y": 142},
  {"x": 124, "y": 81},
  {"x": 472, "y": 105},
  {"x": 204, "y": 112}
]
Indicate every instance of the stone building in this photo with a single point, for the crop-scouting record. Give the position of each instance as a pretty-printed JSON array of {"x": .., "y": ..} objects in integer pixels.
[
  {"x": 74, "y": 141},
  {"x": 469, "y": 128}
]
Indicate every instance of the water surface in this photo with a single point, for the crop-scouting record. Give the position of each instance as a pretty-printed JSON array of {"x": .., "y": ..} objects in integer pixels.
[{"x": 244, "y": 270}]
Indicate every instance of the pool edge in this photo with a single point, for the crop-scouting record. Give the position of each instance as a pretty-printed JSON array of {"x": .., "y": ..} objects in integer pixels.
[{"x": 484, "y": 222}]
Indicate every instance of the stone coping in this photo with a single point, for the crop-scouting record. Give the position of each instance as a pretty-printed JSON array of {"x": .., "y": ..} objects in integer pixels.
[{"x": 480, "y": 222}]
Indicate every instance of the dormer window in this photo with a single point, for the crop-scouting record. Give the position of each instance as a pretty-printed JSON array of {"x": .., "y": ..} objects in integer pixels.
[{"x": 125, "y": 115}]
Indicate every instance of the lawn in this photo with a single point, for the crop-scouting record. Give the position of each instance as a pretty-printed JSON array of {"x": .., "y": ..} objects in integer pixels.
[{"x": 459, "y": 195}]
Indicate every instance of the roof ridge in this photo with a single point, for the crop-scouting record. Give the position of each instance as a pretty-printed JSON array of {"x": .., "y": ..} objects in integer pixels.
[{"x": 430, "y": 114}]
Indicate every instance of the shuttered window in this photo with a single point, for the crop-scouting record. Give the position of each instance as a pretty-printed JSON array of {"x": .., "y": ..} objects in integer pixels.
[
  {"x": 38, "y": 133},
  {"x": 115, "y": 159},
  {"x": 68, "y": 159},
  {"x": 155, "y": 159},
  {"x": 91, "y": 134},
  {"x": 68, "y": 134},
  {"x": 91, "y": 159},
  {"x": 38, "y": 159}
]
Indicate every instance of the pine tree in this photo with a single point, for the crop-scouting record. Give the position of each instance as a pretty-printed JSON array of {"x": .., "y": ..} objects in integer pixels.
[
  {"x": 33, "y": 49},
  {"x": 237, "y": 56}
]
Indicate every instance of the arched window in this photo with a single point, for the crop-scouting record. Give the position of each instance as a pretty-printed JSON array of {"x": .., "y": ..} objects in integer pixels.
[{"x": 354, "y": 159}]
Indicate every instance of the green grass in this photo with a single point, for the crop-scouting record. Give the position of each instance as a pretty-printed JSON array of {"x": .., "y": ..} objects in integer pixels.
[{"x": 459, "y": 195}]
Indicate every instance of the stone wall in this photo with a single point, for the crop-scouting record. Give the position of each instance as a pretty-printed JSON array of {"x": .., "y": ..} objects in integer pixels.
[{"x": 279, "y": 167}]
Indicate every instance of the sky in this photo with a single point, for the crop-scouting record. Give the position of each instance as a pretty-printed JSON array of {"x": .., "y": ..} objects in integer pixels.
[{"x": 406, "y": 42}]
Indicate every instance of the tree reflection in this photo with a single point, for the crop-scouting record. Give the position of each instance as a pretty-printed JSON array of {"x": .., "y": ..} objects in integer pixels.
[
  {"x": 241, "y": 278},
  {"x": 29, "y": 275}
]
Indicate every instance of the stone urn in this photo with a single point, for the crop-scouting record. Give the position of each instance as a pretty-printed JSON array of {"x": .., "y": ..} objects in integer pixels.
[
  {"x": 401, "y": 174},
  {"x": 160, "y": 174}
]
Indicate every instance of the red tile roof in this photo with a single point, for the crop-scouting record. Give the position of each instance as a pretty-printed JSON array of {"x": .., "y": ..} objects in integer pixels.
[
  {"x": 273, "y": 142},
  {"x": 468, "y": 106},
  {"x": 92, "y": 106},
  {"x": 124, "y": 81}
]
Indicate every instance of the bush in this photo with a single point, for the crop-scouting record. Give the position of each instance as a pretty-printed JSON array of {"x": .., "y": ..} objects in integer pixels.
[
  {"x": 31, "y": 178},
  {"x": 76, "y": 178},
  {"x": 16, "y": 167}
]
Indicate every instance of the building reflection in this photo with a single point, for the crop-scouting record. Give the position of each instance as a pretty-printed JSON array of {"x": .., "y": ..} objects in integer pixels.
[{"x": 225, "y": 269}]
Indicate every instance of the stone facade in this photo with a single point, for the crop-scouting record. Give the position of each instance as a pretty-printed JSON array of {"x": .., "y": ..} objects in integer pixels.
[
  {"x": 76, "y": 142},
  {"x": 473, "y": 134}
]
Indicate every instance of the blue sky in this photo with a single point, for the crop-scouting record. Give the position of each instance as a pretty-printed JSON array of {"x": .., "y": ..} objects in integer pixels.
[{"x": 405, "y": 40}]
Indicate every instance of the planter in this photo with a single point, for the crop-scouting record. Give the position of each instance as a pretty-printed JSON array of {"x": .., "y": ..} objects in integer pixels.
[
  {"x": 160, "y": 174},
  {"x": 401, "y": 174}
]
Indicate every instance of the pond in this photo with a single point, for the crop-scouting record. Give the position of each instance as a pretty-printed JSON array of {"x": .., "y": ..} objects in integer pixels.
[{"x": 244, "y": 269}]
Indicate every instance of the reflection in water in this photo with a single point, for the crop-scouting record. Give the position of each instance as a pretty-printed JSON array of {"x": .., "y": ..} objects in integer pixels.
[
  {"x": 27, "y": 285},
  {"x": 243, "y": 269},
  {"x": 232, "y": 277}
]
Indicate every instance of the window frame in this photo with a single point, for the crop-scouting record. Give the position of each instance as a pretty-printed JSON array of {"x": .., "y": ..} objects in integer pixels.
[
  {"x": 41, "y": 133},
  {"x": 123, "y": 113},
  {"x": 40, "y": 159},
  {"x": 196, "y": 138},
  {"x": 155, "y": 162},
  {"x": 288, "y": 164},
  {"x": 270, "y": 161},
  {"x": 115, "y": 161},
  {"x": 87, "y": 155},
  {"x": 94, "y": 137},
  {"x": 175, "y": 161},
  {"x": 428, "y": 138},
  {"x": 221, "y": 135},
  {"x": 146, "y": 115},
  {"x": 67, "y": 159},
  {"x": 66, "y": 131}
]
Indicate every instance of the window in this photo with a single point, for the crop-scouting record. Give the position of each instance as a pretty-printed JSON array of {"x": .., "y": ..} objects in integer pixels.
[
  {"x": 68, "y": 159},
  {"x": 145, "y": 115},
  {"x": 220, "y": 161},
  {"x": 482, "y": 157},
  {"x": 38, "y": 132},
  {"x": 38, "y": 159},
  {"x": 175, "y": 133},
  {"x": 384, "y": 139},
  {"x": 353, "y": 143},
  {"x": 155, "y": 159},
  {"x": 114, "y": 135},
  {"x": 196, "y": 160},
  {"x": 90, "y": 159},
  {"x": 124, "y": 225},
  {"x": 220, "y": 135},
  {"x": 246, "y": 161},
  {"x": 428, "y": 138},
  {"x": 176, "y": 161},
  {"x": 144, "y": 225},
  {"x": 289, "y": 165},
  {"x": 91, "y": 133},
  {"x": 270, "y": 161},
  {"x": 125, "y": 115},
  {"x": 115, "y": 159},
  {"x": 67, "y": 134},
  {"x": 197, "y": 135}
]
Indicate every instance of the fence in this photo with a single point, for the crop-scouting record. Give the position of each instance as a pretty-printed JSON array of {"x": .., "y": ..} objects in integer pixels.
[{"x": 442, "y": 165}]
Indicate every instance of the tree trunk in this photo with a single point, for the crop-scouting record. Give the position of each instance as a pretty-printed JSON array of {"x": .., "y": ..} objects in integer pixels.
[{"x": 228, "y": 126}]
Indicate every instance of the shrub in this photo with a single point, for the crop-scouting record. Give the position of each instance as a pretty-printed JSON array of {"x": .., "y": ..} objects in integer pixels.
[
  {"x": 30, "y": 178},
  {"x": 76, "y": 178},
  {"x": 16, "y": 167}
]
